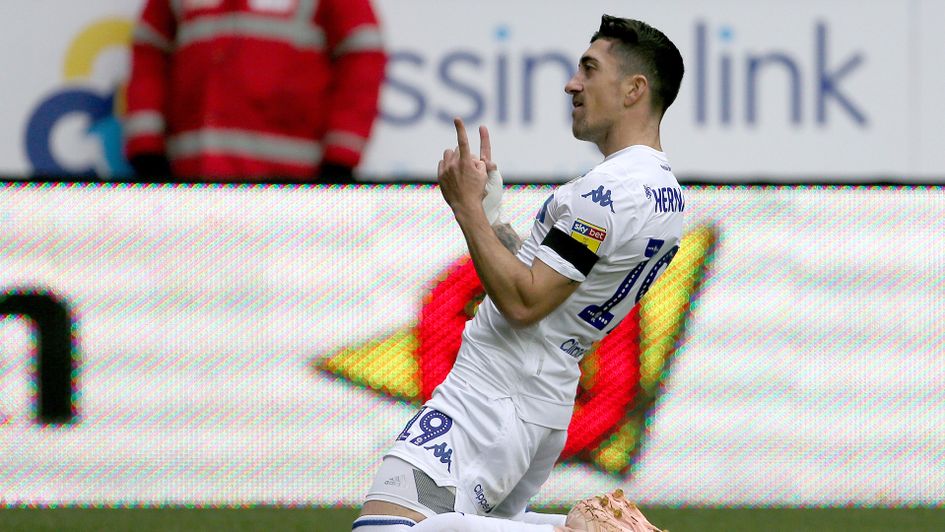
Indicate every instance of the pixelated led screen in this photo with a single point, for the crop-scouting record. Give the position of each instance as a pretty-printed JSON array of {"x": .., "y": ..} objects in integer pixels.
[{"x": 264, "y": 345}]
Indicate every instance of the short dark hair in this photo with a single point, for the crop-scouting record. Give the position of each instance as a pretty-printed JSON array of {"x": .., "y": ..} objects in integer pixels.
[{"x": 645, "y": 50}]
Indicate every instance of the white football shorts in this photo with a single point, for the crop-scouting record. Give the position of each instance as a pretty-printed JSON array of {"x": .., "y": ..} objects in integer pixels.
[{"x": 478, "y": 446}]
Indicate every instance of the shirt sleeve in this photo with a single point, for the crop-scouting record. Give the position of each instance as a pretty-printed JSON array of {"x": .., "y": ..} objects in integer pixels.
[{"x": 593, "y": 216}]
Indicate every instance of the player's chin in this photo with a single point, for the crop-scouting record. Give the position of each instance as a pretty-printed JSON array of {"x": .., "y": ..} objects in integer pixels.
[{"x": 578, "y": 130}]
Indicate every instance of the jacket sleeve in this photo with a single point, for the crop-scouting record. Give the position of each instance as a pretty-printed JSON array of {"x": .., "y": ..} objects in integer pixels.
[
  {"x": 151, "y": 50},
  {"x": 356, "y": 46}
]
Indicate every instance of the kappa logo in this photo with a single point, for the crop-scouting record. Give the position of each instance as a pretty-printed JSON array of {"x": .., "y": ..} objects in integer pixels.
[
  {"x": 444, "y": 453},
  {"x": 601, "y": 197}
]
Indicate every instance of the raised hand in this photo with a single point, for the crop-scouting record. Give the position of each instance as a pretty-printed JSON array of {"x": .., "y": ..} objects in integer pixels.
[{"x": 462, "y": 177}]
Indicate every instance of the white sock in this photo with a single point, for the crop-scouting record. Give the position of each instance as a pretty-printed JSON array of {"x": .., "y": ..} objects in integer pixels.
[
  {"x": 539, "y": 518},
  {"x": 382, "y": 523},
  {"x": 457, "y": 522}
]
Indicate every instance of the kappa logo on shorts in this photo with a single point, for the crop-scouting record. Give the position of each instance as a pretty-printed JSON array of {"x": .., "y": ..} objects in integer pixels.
[
  {"x": 444, "y": 453},
  {"x": 620, "y": 375},
  {"x": 588, "y": 234}
]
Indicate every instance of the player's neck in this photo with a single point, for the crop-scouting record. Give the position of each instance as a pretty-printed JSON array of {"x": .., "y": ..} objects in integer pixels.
[
  {"x": 631, "y": 134},
  {"x": 636, "y": 126}
]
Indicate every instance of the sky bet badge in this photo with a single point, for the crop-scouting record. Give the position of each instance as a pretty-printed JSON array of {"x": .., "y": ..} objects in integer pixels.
[{"x": 620, "y": 375}]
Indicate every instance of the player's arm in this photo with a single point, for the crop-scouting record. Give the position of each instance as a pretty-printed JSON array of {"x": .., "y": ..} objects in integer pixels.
[
  {"x": 509, "y": 238},
  {"x": 524, "y": 295}
]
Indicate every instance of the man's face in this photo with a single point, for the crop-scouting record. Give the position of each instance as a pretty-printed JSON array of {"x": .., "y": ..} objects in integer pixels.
[{"x": 596, "y": 92}]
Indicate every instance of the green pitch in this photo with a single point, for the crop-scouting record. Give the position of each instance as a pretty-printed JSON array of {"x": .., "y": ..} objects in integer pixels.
[{"x": 339, "y": 520}]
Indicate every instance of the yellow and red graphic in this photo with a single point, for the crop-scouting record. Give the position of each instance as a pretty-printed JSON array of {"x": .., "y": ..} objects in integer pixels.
[{"x": 620, "y": 375}]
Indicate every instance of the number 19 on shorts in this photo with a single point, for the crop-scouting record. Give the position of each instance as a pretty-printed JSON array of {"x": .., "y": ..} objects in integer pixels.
[{"x": 428, "y": 425}]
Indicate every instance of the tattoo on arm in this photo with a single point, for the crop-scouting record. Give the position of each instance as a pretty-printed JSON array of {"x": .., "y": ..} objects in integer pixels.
[{"x": 508, "y": 237}]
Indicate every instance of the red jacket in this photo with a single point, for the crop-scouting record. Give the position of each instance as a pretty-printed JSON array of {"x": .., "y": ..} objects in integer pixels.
[{"x": 232, "y": 89}]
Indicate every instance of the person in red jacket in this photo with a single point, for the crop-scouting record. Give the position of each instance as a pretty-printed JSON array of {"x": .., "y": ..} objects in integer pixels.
[{"x": 233, "y": 90}]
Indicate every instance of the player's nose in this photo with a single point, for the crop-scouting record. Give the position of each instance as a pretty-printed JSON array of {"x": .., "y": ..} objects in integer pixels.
[{"x": 573, "y": 85}]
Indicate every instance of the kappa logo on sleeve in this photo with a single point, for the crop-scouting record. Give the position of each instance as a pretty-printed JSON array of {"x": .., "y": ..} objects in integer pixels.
[
  {"x": 601, "y": 196},
  {"x": 588, "y": 234}
]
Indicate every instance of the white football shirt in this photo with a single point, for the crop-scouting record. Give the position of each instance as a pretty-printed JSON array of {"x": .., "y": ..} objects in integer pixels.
[{"x": 614, "y": 230}]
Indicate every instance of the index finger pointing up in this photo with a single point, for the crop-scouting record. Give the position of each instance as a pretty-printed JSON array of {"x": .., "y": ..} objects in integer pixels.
[{"x": 461, "y": 139}]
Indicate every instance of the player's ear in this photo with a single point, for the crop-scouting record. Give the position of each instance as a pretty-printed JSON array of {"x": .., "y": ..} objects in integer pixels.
[{"x": 635, "y": 87}]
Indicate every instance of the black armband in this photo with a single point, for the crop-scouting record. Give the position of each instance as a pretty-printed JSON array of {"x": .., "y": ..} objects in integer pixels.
[{"x": 571, "y": 250}]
